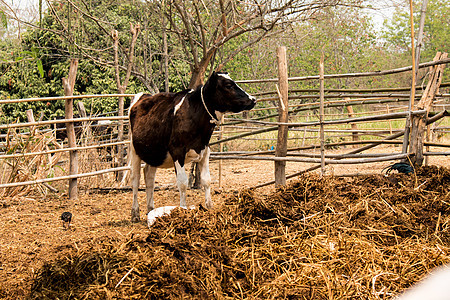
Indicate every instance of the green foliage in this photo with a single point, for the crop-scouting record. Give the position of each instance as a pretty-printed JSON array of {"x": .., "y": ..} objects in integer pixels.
[
  {"x": 3, "y": 19},
  {"x": 347, "y": 38},
  {"x": 436, "y": 33},
  {"x": 36, "y": 66}
]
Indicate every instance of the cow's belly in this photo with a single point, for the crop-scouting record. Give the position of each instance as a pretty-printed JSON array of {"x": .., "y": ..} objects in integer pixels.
[{"x": 191, "y": 156}]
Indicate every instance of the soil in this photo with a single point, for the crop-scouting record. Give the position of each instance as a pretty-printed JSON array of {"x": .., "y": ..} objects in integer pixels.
[{"x": 32, "y": 235}]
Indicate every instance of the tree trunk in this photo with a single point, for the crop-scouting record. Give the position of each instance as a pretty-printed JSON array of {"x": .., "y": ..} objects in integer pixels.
[
  {"x": 198, "y": 72},
  {"x": 283, "y": 109},
  {"x": 68, "y": 85}
]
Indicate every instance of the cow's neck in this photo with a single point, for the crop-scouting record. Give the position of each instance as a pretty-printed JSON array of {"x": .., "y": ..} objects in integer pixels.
[{"x": 213, "y": 114}]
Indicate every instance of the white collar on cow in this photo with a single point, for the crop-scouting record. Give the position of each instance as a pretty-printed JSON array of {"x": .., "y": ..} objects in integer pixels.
[{"x": 214, "y": 119}]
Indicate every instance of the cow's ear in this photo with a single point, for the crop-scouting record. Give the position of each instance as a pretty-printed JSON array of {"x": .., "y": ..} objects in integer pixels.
[{"x": 213, "y": 76}]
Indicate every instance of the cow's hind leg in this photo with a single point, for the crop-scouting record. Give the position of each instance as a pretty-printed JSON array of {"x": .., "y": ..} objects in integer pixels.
[
  {"x": 149, "y": 175},
  {"x": 205, "y": 177},
  {"x": 182, "y": 183},
  {"x": 135, "y": 178}
]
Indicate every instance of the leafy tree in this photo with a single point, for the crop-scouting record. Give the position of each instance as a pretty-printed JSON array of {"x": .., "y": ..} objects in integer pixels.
[
  {"x": 346, "y": 37},
  {"x": 436, "y": 31},
  {"x": 203, "y": 28},
  {"x": 51, "y": 49}
]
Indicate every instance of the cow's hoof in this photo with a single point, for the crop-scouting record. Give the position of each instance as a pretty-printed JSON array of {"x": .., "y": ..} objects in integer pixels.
[{"x": 135, "y": 217}]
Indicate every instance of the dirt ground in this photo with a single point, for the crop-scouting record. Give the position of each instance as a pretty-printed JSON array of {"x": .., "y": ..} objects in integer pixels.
[{"x": 31, "y": 232}]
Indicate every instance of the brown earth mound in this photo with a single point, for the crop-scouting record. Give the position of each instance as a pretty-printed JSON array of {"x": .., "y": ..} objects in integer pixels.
[{"x": 366, "y": 237}]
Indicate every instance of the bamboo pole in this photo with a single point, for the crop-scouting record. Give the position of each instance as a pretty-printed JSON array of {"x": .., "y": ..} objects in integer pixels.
[
  {"x": 363, "y": 90},
  {"x": 51, "y": 122},
  {"x": 415, "y": 61},
  {"x": 68, "y": 177},
  {"x": 427, "y": 148},
  {"x": 436, "y": 154},
  {"x": 12, "y": 156},
  {"x": 310, "y": 155},
  {"x": 396, "y": 115},
  {"x": 423, "y": 11},
  {"x": 281, "y": 147},
  {"x": 305, "y": 108},
  {"x": 221, "y": 150},
  {"x": 321, "y": 115},
  {"x": 46, "y": 99},
  {"x": 314, "y": 160}
]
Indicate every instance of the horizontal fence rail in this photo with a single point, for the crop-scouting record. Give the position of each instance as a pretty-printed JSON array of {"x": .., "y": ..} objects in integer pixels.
[
  {"x": 9, "y": 101},
  {"x": 365, "y": 74}
]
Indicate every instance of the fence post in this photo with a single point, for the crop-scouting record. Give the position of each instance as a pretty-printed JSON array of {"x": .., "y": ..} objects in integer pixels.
[
  {"x": 68, "y": 85},
  {"x": 283, "y": 108},
  {"x": 322, "y": 113},
  {"x": 86, "y": 127},
  {"x": 120, "y": 148},
  {"x": 221, "y": 128},
  {"x": 419, "y": 121},
  {"x": 30, "y": 118},
  {"x": 353, "y": 125}
]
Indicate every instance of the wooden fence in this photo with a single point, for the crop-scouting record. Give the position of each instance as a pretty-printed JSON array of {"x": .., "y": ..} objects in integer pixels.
[{"x": 306, "y": 118}]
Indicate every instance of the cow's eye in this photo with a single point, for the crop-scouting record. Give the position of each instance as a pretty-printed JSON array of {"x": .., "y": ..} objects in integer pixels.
[{"x": 229, "y": 85}]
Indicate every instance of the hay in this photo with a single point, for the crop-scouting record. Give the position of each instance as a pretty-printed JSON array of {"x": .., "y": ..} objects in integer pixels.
[
  {"x": 332, "y": 238},
  {"x": 28, "y": 168}
]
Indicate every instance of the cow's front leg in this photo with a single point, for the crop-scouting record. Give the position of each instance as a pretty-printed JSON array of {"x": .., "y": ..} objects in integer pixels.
[
  {"x": 205, "y": 177},
  {"x": 149, "y": 175},
  {"x": 182, "y": 183}
]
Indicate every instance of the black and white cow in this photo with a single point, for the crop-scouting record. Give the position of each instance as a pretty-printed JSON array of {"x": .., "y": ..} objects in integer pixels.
[{"x": 173, "y": 129}]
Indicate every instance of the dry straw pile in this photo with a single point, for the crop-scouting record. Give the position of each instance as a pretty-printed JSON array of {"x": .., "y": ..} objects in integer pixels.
[
  {"x": 28, "y": 168},
  {"x": 333, "y": 238},
  {"x": 25, "y": 167}
]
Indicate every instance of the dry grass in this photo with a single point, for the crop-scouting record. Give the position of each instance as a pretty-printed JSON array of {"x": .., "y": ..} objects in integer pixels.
[
  {"x": 29, "y": 168},
  {"x": 367, "y": 237}
]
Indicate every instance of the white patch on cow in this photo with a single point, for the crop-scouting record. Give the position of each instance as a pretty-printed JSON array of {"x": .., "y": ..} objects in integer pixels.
[
  {"x": 177, "y": 107},
  {"x": 136, "y": 98},
  {"x": 161, "y": 211},
  {"x": 226, "y": 76}
]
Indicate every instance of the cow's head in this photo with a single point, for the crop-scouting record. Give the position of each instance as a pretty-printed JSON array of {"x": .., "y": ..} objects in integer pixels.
[{"x": 224, "y": 95}]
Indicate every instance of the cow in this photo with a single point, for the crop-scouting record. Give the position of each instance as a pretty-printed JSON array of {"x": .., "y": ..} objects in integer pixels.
[{"x": 172, "y": 129}]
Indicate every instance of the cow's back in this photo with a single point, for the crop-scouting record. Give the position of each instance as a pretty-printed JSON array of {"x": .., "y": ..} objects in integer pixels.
[{"x": 151, "y": 119}]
